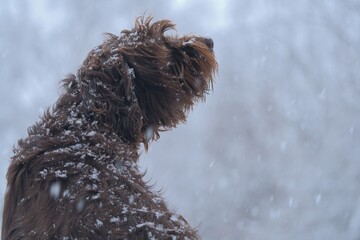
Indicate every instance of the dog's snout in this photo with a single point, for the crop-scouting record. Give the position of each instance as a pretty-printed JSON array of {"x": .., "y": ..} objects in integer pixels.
[{"x": 209, "y": 42}]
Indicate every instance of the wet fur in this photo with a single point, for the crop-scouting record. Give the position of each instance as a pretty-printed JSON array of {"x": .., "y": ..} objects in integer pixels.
[{"x": 76, "y": 174}]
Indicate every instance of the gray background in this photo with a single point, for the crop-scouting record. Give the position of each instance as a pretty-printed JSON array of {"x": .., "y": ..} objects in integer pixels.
[{"x": 273, "y": 153}]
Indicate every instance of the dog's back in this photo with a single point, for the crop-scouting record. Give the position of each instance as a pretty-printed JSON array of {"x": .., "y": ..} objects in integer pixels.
[{"x": 83, "y": 186}]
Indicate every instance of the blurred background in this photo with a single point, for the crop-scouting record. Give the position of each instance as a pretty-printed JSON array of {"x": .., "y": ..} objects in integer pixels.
[{"x": 273, "y": 154}]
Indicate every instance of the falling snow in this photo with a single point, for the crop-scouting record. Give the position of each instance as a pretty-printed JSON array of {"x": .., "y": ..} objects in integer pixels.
[
  {"x": 273, "y": 153},
  {"x": 55, "y": 189}
]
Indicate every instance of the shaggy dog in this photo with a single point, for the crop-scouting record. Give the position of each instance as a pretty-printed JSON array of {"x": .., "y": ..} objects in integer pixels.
[{"x": 76, "y": 175}]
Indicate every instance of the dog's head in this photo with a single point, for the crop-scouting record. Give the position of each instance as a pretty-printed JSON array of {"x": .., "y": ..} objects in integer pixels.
[{"x": 145, "y": 81}]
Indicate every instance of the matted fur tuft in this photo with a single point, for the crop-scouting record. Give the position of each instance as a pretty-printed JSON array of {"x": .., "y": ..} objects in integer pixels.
[{"x": 76, "y": 174}]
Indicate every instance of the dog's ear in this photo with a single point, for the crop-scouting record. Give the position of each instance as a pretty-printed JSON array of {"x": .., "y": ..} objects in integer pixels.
[{"x": 108, "y": 97}]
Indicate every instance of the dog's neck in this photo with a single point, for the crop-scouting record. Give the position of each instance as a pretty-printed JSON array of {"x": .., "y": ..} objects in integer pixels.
[{"x": 59, "y": 131}]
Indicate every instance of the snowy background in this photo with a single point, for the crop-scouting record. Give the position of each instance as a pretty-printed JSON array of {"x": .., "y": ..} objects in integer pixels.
[{"x": 273, "y": 154}]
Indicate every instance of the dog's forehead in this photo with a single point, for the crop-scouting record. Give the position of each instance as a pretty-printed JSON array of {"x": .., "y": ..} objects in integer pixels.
[{"x": 135, "y": 38}]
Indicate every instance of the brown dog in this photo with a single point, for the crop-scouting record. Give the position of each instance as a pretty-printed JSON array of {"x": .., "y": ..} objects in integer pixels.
[{"x": 76, "y": 175}]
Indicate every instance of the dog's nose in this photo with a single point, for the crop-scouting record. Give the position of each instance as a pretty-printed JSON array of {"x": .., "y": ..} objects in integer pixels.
[{"x": 209, "y": 42}]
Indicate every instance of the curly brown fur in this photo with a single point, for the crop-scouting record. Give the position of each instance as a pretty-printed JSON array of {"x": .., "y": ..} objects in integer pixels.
[{"x": 76, "y": 175}]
